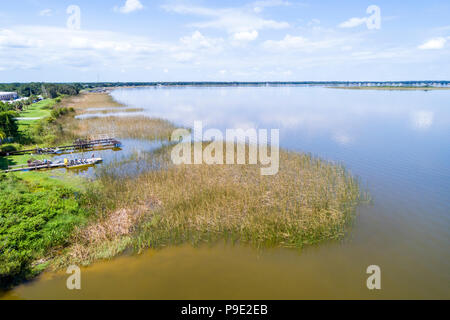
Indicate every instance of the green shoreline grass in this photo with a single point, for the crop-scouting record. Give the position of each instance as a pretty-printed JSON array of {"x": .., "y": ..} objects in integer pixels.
[{"x": 39, "y": 109}]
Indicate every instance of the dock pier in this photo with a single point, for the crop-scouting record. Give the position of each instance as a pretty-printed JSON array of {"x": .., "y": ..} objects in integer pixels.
[
  {"x": 60, "y": 164},
  {"x": 78, "y": 145}
]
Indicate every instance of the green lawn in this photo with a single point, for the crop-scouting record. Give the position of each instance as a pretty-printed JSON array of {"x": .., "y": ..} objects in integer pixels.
[
  {"x": 40, "y": 109},
  {"x": 19, "y": 160}
]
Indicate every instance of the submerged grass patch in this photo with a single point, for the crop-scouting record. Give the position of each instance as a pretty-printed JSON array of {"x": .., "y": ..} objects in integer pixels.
[{"x": 307, "y": 202}]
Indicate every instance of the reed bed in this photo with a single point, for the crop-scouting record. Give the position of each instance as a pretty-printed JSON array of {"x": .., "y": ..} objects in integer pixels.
[
  {"x": 86, "y": 101},
  {"x": 307, "y": 202},
  {"x": 106, "y": 111},
  {"x": 133, "y": 127},
  {"x": 125, "y": 127}
]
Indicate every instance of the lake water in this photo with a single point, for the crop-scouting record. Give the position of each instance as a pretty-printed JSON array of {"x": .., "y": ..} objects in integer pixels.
[{"x": 396, "y": 142}]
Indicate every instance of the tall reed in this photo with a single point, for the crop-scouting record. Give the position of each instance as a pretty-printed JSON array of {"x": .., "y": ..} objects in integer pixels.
[{"x": 307, "y": 202}]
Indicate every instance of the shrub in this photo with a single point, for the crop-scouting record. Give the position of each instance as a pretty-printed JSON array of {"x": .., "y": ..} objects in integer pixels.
[{"x": 34, "y": 218}]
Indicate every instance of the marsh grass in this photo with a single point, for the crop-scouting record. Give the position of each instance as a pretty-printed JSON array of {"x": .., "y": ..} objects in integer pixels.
[
  {"x": 121, "y": 127},
  {"x": 86, "y": 101},
  {"x": 107, "y": 111},
  {"x": 126, "y": 127},
  {"x": 307, "y": 202}
]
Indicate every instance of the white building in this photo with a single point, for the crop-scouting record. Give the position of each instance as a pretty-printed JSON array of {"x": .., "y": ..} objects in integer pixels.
[{"x": 8, "y": 95}]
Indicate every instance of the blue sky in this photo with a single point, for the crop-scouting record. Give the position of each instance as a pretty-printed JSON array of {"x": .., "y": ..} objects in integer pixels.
[{"x": 261, "y": 40}]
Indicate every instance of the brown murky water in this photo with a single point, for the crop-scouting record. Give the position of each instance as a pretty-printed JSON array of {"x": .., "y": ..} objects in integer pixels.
[{"x": 330, "y": 271}]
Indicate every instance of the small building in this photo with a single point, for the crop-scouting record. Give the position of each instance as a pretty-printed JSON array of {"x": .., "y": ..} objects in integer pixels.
[{"x": 5, "y": 96}]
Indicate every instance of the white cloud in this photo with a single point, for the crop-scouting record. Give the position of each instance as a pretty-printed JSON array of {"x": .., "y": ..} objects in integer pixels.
[
  {"x": 245, "y": 35},
  {"x": 25, "y": 47},
  {"x": 353, "y": 22},
  {"x": 258, "y": 6},
  {"x": 45, "y": 12},
  {"x": 183, "y": 56},
  {"x": 232, "y": 20},
  {"x": 130, "y": 6},
  {"x": 198, "y": 40},
  {"x": 13, "y": 39},
  {"x": 196, "y": 46},
  {"x": 36, "y": 46},
  {"x": 313, "y": 22},
  {"x": 435, "y": 43},
  {"x": 290, "y": 42}
]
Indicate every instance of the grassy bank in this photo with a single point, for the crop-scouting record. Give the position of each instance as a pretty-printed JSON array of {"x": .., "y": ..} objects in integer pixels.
[
  {"x": 37, "y": 217},
  {"x": 37, "y": 212}
]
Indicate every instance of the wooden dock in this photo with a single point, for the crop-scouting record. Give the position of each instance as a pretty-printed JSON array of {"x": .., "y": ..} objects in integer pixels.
[
  {"x": 69, "y": 164},
  {"x": 77, "y": 146}
]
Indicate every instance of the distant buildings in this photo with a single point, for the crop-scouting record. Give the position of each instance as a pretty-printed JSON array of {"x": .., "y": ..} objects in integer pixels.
[{"x": 6, "y": 96}]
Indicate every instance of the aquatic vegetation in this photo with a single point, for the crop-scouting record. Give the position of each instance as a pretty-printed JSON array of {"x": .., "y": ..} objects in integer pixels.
[
  {"x": 307, "y": 202},
  {"x": 126, "y": 127},
  {"x": 111, "y": 110},
  {"x": 83, "y": 102},
  {"x": 120, "y": 127}
]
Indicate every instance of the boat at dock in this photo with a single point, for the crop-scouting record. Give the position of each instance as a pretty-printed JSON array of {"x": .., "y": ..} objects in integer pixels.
[
  {"x": 34, "y": 165},
  {"x": 81, "y": 163}
]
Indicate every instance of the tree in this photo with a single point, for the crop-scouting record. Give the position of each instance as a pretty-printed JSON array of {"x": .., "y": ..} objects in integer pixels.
[
  {"x": 8, "y": 123},
  {"x": 5, "y": 107}
]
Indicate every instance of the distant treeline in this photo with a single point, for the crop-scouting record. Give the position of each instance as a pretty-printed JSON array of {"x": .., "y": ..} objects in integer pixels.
[
  {"x": 414, "y": 83},
  {"x": 47, "y": 90},
  {"x": 52, "y": 90}
]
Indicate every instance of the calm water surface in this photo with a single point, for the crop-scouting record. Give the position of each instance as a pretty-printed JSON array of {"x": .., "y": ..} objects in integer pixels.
[{"x": 396, "y": 142}]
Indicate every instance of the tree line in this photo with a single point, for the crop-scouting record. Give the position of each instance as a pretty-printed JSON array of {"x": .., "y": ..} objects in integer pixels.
[
  {"x": 10, "y": 111},
  {"x": 47, "y": 90}
]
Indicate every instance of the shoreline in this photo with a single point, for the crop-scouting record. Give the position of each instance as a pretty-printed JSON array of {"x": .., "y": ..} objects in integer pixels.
[{"x": 393, "y": 88}]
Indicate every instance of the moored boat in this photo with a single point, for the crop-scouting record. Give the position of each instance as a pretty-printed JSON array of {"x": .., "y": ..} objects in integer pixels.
[{"x": 81, "y": 163}]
